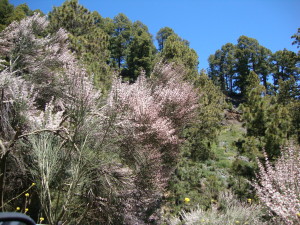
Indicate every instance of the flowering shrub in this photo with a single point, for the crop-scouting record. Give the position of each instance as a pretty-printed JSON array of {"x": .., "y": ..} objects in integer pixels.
[
  {"x": 149, "y": 115},
  {"x": 107, "y": 160},
  {"x": 278, "y": 186}
]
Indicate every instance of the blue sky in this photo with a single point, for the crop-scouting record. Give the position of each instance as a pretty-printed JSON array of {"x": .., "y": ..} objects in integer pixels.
[{"x": 206, "y": 24}]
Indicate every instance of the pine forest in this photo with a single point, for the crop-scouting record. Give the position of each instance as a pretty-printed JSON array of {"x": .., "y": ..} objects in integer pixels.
[{"x": 101, "y": 125}]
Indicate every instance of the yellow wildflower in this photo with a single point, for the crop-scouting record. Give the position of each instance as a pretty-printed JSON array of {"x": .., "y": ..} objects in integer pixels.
[
  {"x": 42, "y": 219},
  {"x": 186, "y": 200},
  {"x": 298, "y": 214},
  {"x": 26, "y": 210},
  {"x": 249, "y": 200},
  {"x": 27, "y": 194},
  {"x": 33, "y": 184},
  {"x": 18, "y": 208},
  {"x": 237, "y": 222}
]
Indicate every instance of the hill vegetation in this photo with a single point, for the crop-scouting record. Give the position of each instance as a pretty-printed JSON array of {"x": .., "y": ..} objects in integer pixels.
[{"x": 98, "y": 126}]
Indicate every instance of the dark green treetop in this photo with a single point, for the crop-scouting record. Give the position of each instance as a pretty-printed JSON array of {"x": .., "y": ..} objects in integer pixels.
[
  {"x": 87, "y": 39},
  {"x": 162, "y": 35},
  {"x": 141, "y": 51}
]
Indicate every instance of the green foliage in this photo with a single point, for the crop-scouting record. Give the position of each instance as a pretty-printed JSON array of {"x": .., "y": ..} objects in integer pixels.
[
  {"x": 252, "y": 83},
  {"x": 294, "y": 110},
  {"x": 193, "y": 177},
  {"x": 162, "y": 35},
  {"x": 141, "y": 51},
  {"x": 201, "y": 135},
  {"x": 6, "y": 9},
  {"x": 285, "y": 66},
  {"x": 250, "y": 57},
  {"x": 87, "y": 39},
  {"x": 9, "y": 13},
  {"x": 177, "y": 50},
  {"x": 221, "y": 67},
  {"x": 120, "y": 39},
  {"x": 296, "y": 38},
  {"x": 196, "y": 181},
  {"x": 266, "y": 120}
]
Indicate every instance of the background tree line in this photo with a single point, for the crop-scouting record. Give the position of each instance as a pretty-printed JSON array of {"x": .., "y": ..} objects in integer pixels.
[{"x": 133, "y": 153}]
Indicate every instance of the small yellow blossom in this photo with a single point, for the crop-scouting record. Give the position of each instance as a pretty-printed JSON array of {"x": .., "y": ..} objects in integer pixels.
[
  {"x": 42, "y": 219},
  {"x": 237, "y": 222},
  {"x": 203, "y": 220},
  {"x": 27, "y": 194},
  {"x": 26, "y": 210},
  {"x": 249, "y": 200},
  {"x": 213, "y": 201},
  {"x": 33, "y": 184},
  {"x": 298, "y": 214},
  {"x": 18, "y": 208},
  {"x": 186, "y": 200}
]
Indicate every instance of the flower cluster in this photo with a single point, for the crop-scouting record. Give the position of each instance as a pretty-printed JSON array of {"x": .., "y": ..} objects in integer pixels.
[
  {"x": 278, "y": 186},
  {"x": 149, "y": 115}
]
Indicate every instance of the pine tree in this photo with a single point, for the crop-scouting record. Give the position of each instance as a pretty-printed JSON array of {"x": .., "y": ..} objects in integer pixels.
[
  {"x": 162, "y": 35},
  {"x": 285, "y": 66},
  {"x": 87, "y": 39},
  {"x": 6, "y": 10},
  {"x": 202, "y": 134},
  {"x": 221, "y": 67},
  {"x": 266, "y": 120},
  {"x": 120, "y": 40},
  {"x": 141, "y": 51},
  {"x": 177, "y": 50},
  {"x": 247, "y": 55}
]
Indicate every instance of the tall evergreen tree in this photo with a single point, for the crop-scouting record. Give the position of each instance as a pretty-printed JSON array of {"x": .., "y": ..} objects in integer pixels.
[
  {"x": 141, "y": 51},
  {"x": 230, "y": 66},
  {"x": 6, "y": 10},
  {"x": 266, "y": 120},
  {"x": 177, "y": 50},
  {"x": 162, "y": 35},
  {"x": 202, "y": 134},
  {"x": 120, "y": 39},
  {"x": 88, "y": 40},
  {"x": 285, "y": 66},
  {"x": 264, "y": 67},
  {"x": 221, "y": 67},
  {"x": 247, "y": 57},
  {"x": 9, "y": 13}
]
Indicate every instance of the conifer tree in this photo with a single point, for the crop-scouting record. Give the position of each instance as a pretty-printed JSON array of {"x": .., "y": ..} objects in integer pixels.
[
  {"x": 266, "y": 120},
  {"x": 141, "y": 51},
  {"x": 285, "y": 66},
  {"x": 221, "y": 67},
  {"x": 87, "y": 38},
  {"x": 120, "y": 39},
  {"x": 177, "y": 50},
  {"x": 162, "y": 35},
  {"x": 202, "y": 134},
  {"x": 255, "y": 108},
  {"x": 9, "y": 13},
  {"x": 246, "y": 54}
]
